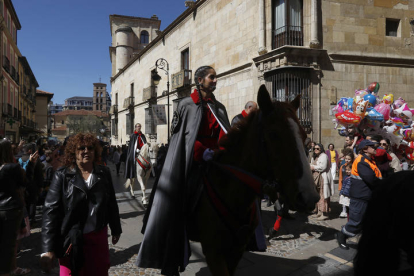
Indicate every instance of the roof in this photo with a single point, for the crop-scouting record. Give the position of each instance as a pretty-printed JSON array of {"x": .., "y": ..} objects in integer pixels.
[
  {"x": 42, "y": 93},
  {"x": 60, "y": 128},
  {"x": 79, "y": 98},
  {"x": 81, "y": 112},
  {"x": 38, "y": 91}
]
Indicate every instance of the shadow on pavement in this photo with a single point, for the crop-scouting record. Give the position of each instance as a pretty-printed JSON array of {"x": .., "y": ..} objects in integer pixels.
[
  {"x": 121, "y": 257},
  {"x": 257, "y": 264},
  {"x": 298, "y": 225},
  {"x": 131, "y": 214}
]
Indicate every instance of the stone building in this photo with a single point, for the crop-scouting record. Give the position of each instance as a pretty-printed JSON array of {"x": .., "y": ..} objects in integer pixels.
[
  {"x": 43, "y": 119},
  {"x": 55, "y": 108},
  {"x": 321, "y": 49},
  {"x": 101, "y": 98},
  {"x": 70, "y": 122},
  {"x": 78, "y": 103},
  {"x": 17, "y": 81}
]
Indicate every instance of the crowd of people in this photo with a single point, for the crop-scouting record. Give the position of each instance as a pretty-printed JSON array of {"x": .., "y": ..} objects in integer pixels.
[{"x": 75, "y": 187}]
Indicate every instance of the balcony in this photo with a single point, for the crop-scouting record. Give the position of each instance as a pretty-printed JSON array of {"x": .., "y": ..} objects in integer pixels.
[
  {"x": 288, "y": 35},
  {"x": 6, "y": 63},
  {"x": 113, "y": 109},
  {"x": 149, "y": 92},
  {"x": 13, "y": 72},
  {"x": 24, "y": 121},
  {"x": 19, "y": 115},
  {"x": 9, "y": 110},
  {"x": 128, "y": 102},
  {"x": 181, "y": 79}
]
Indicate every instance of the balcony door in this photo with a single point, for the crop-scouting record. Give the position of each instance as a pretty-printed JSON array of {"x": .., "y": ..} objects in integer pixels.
[{"x": 287, "y": 23}]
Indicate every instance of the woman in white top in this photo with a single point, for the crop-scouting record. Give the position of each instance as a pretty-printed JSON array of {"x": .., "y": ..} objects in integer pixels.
[{"x": 320, "y": 166}]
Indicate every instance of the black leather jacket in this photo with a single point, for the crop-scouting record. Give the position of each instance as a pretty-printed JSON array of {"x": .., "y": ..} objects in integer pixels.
[
  {"x": 13, "y": 177},
  {"x": 67, "y": 203}
]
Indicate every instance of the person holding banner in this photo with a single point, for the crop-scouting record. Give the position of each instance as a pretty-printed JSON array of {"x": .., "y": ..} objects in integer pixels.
[{"x": 198, "y": 124}]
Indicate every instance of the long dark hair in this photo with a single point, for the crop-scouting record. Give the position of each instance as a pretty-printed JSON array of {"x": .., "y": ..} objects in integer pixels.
[
  {"x": 321, "y": 151},
  {"x": 6, "y": 153}
]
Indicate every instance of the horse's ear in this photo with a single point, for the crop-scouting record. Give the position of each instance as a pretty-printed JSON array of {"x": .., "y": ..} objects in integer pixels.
[
  {"x": 264, "y": 101},
  {"x": 296, "y": 102}
]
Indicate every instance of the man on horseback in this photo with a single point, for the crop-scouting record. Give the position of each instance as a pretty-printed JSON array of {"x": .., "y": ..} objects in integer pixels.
[
  {"x": 249, "y": 107},
  {"x": 198, "y": 124},
  {"x": 136, "y": 141}
]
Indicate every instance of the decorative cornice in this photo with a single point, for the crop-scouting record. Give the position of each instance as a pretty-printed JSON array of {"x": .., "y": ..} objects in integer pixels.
[
  {"x": 290, "y": 56},
  {"x": 124, "y": 29},
  {"x": 372, "y": 60}
]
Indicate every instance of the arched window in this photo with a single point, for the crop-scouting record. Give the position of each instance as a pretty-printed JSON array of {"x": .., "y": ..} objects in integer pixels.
[{"x": 144, "y": 37}]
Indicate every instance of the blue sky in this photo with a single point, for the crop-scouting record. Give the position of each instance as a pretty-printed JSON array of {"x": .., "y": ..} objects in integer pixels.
[{"x": 67, "y": 42}]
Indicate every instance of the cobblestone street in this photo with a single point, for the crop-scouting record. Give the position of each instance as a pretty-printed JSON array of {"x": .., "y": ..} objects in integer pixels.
[{"x": 302, "y": 247}]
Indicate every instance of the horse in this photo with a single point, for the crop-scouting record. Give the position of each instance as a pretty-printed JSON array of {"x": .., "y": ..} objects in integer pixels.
[
  {"x": 266, "y": 145},
  {"x": 143, "y": 170}
]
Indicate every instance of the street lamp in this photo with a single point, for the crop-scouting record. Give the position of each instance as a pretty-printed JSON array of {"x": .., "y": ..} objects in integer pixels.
[{"x": 163, "y": 65}]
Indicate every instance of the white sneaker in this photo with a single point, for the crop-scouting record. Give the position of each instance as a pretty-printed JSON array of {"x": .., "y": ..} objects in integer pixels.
[{"x": 343, "y": 215}]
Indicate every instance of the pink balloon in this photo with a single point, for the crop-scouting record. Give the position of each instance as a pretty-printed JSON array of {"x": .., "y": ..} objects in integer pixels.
[{"x": 384, "y": 109}]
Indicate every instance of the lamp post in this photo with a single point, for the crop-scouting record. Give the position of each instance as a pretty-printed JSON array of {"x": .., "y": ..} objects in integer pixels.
[{"x": 163, "y": 65}]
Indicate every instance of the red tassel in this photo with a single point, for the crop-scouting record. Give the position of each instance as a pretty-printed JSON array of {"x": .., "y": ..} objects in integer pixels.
[{"x": 277, "y": 223}]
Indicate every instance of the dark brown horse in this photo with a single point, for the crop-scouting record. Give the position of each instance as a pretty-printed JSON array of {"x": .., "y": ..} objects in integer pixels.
[{"x": 268, "y": 144}]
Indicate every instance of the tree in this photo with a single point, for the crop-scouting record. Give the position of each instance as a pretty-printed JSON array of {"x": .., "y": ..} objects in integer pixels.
[{"x": 85, "y": 124}]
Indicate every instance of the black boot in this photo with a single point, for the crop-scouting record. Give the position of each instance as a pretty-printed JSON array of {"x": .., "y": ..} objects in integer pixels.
[
  {"x": 272, "y": 234},
  {"x": 341, "y": 239}
]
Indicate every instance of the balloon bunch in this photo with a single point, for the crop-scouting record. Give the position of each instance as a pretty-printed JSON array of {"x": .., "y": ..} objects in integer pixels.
[{"x": 373, "y": 115}]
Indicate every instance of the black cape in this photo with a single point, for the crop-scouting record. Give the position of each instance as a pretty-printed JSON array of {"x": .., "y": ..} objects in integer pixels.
[
  {"x": 165, "y": 244},
  {"x": 130, "y": 168},
  {"x": 236, "y": 119}
]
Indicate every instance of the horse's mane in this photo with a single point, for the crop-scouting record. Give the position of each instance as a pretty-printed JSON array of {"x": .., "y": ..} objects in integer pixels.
[
  {"x": 240, "y": 129},
  {"x": 283, "y": 140},
  {"x": 145, "y": 151}
]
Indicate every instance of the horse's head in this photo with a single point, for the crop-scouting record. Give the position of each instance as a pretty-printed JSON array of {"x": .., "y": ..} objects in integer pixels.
[{"x": 282, "y": 140}]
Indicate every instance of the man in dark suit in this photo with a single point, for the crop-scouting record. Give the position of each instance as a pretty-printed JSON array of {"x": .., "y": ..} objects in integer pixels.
[{"x": 249, "y": 107}]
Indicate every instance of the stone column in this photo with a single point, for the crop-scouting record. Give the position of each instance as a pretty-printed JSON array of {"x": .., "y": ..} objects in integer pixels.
[
  {"x": 314, "y": 43},
  {"x": 262, "y": 29}
]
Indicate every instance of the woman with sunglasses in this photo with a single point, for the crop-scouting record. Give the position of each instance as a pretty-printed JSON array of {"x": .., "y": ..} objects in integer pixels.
[
  {"x": 321, "y": 167},
  {"x": 395, "y": 164},
  {"x": 78, "y": 207}
]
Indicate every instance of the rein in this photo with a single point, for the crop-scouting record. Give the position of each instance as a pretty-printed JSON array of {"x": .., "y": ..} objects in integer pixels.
[{"x": 147, "y": 165}]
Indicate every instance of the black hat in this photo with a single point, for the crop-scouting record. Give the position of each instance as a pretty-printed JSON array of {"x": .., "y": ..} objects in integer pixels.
[{"x": 365, "y": 143}]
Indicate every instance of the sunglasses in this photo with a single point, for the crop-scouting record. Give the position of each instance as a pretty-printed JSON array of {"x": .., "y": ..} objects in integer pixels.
[
  {"x": 316, "y": 149},
  {"x": 384, "y": 144},
  {"x": 82, "y": 148}
]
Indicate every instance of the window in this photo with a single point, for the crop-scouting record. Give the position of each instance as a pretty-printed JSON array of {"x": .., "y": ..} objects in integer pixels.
[
  {"x": 128, "y": 124},
  {"x": 286, "y": 84},
  {"x": 185, "y": 64},
  {"x": 114, "y": 124},
  {"x": 287, "y": 23},
  {"x": 132, "y": 90},
  {"x": 144, "y": 37},
  {"x": 392, "y": 27}
]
